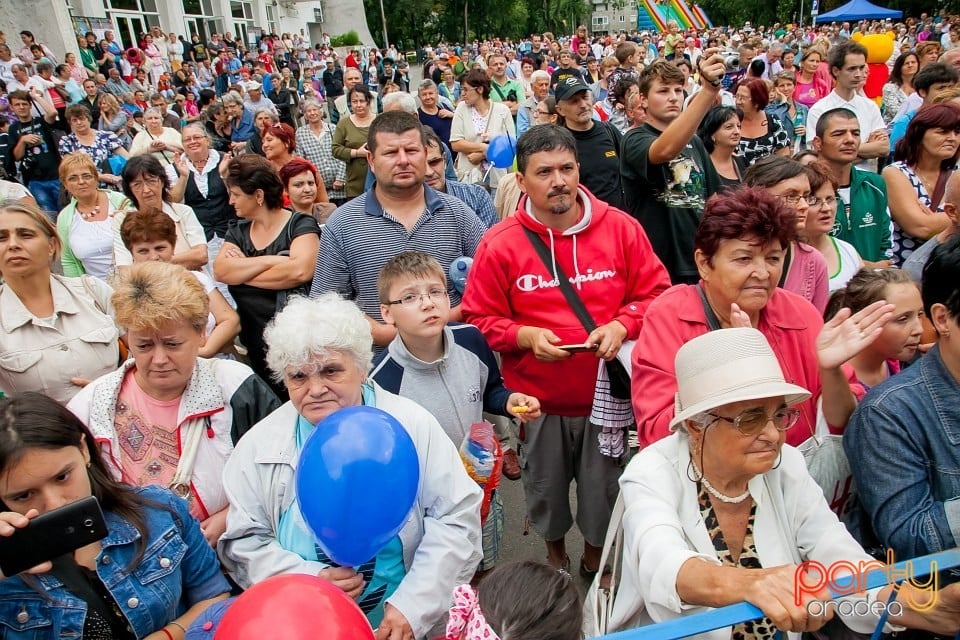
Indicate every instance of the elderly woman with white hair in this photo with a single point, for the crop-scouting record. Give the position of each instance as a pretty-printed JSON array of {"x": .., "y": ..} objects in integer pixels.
[
  {"x": 320, "y": 349},
  {"x": 723, "y": 511},
  {"x": 163, "y": 142}
]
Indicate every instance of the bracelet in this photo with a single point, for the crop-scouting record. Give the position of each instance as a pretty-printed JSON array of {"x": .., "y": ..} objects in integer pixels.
[
  {"x": 178, "y": 626},
  {"x": 167, "y": 633}
]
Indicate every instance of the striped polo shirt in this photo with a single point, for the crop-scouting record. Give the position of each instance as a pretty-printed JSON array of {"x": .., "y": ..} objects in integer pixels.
[{"x": 360, "y": 237}]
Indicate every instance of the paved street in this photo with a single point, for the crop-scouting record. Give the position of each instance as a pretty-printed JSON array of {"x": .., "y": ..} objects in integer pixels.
[{"x": 515, "y": 545}]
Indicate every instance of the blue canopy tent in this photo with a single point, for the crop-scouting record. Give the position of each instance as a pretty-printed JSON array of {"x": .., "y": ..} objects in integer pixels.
[{"x": 858, "y": 10}]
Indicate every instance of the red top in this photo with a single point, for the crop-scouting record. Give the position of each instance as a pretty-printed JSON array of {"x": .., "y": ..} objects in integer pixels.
[
  {"x": 790, "y": 323},
  {"x": 613, "y": 268}
]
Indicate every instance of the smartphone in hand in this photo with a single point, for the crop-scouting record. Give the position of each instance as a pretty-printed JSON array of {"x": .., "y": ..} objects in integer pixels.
[
  {"x": 52, "y": 535},
  {"x": 578, "y": 348}
]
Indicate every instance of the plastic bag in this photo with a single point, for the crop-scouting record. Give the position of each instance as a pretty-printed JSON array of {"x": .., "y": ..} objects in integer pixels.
[{"x": 483, "y": 459}]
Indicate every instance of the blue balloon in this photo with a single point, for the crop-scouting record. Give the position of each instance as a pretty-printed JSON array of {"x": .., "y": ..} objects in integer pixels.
[
  {"x": 357, "y": 481},
  {"x": 501, "y": 150}
]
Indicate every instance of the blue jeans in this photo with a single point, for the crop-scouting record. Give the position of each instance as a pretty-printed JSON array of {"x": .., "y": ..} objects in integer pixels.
[{"x": 47, "y": 195}]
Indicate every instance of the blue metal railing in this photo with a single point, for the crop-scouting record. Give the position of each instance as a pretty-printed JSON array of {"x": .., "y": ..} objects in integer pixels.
[{"x": 742, "y": 612}]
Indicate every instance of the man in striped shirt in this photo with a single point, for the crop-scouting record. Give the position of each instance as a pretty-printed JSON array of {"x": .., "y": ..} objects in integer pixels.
[{"x": 399, "y": 213}]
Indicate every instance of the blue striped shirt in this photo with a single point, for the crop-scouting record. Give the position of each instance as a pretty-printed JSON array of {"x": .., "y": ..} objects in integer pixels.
[
  {"x": 477, "y": 198},
  {"x": 361, "y": 237}
]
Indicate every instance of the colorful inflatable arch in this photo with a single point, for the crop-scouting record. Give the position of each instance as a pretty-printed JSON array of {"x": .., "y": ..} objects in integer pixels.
[{"x": 655, "y": 15}]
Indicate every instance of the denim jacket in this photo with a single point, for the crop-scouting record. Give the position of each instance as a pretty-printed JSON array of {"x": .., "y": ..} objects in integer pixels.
[
  {"x": 178, "y": 570},
  {"x": 903, "y": 443}
]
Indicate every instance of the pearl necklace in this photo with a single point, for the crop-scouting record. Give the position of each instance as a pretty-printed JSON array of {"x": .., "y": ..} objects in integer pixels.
[{"x": 716, "y": 494}]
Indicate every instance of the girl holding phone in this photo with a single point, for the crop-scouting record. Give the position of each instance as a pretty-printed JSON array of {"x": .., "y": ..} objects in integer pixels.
[{"x": 162, "y": 572}]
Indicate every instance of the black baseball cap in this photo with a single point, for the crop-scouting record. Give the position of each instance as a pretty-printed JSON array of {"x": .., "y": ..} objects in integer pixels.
[{"x": 569, "y": 87}]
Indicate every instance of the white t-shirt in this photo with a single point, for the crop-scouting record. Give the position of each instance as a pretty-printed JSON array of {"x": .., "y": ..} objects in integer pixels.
[
  {"x": 13, "y": 191},
  {"x": 850, "y": 264},
  {"x": 868, "y": 116},
  {"x": 208, "y": 285},
  {"x": 92, "y": 244}
]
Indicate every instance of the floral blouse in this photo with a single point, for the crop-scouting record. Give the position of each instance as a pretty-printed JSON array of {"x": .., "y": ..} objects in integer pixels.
[{"x": 105, "y": 145}]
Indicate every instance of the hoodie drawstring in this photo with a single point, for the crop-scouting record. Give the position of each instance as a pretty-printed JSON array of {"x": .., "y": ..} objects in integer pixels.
[
  {"x": 576, "y": 265},
  {"x": 553, "y": 255},
  {"x": 553, "y": 258}
]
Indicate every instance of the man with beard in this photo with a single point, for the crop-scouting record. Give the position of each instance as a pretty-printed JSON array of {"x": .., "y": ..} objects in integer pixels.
[
  {"x": 561, "y": 231},
  {"x": 399, "y": 213}
]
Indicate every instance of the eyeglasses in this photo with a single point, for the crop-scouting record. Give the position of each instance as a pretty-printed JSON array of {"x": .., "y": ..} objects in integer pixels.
[
  {"x": 792, "y": 198},
  {"x": 410, "y": 300},
  {"x": 83, "y": 177},
  {"x": 145, "y": 181},
  {"x": 829, "y": 201},
  {"x": 753, "y": 421},
  {"x": 543, "y": 113}
]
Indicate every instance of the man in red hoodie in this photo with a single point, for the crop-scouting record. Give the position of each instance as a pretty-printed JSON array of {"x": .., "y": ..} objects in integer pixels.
[{"x": 515, "y": 300}]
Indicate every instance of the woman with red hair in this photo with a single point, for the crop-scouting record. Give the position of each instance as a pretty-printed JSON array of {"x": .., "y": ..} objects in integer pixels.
[
  {"x": 924, "y": 158},
  {"x": 739, "y": 251},
  {"x": 305, "y": 190},
  {"x": 279, "y": 143},
  {"x": 761, "y": 133}
]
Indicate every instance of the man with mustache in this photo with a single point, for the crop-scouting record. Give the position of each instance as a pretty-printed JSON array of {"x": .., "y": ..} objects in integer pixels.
[
  {"x": 598, "y": 143},
  {"x": 863, "y": 219},
  {"x": 514, "y": 295}
]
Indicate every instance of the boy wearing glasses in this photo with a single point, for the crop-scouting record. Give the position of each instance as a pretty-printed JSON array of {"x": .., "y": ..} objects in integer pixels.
[{"x": 448, "y": 369}]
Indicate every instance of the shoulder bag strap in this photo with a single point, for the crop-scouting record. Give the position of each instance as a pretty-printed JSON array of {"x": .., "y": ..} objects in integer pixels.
[
  {"x": 565, "y": 287},
  {"x": 713, "y": 322},
  {"x": 192, "y": 434},
  {"x": 787, "y": 261},
  {"x": 66, "y": 570},
  {"x": 939, "y": 189}
]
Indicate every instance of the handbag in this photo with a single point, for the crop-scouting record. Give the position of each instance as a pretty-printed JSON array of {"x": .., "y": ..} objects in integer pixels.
[
  {"x": 598, "y": 603},
  {"x": 828, "y": 465},
  {"x": 616, "y": 372}
]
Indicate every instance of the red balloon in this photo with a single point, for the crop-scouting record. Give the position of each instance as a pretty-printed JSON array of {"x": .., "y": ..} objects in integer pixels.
[
  {"x": 878, "y": 76},
  {"x": 294, "y": 607}
]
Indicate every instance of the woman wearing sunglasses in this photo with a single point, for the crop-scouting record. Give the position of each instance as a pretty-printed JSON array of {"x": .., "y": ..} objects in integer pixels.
[{"x": 722, "y": 512}]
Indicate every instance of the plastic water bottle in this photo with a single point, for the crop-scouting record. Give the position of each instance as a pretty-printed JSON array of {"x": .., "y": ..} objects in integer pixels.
[{"x": 459, "y": 269}]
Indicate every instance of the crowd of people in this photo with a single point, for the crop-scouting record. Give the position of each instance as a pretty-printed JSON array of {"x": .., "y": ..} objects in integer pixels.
[{"x": 206, "y": 250}]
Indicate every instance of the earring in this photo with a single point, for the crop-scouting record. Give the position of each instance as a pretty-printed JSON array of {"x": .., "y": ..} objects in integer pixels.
[{"x": 259, "y": 203}]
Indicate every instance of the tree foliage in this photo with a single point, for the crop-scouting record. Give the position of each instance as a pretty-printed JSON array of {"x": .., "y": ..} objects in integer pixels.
[{"x": 414, "y": 23}]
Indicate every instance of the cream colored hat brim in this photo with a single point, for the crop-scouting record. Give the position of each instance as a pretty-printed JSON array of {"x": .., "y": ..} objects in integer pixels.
[{"x": 791, "y": 393}]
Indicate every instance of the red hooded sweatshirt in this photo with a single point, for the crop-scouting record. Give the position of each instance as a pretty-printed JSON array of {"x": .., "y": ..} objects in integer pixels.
[{"x": 606, "y": 256}]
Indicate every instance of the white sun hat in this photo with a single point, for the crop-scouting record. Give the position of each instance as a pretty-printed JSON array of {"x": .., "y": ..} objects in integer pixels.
[{"x": 726, "y": 366}]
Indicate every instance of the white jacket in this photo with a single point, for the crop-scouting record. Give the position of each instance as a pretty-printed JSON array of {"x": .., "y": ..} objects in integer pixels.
[
  {"x": 225, "y": 391},
  {"x": 662, "y": 529},
  {"x": 441, "y": 538}
]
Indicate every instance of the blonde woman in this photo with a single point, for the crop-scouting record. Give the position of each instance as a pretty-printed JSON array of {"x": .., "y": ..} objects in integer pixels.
[
  {"x": 85, "y": 225},
  {"x": 56, "y": 333}
]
